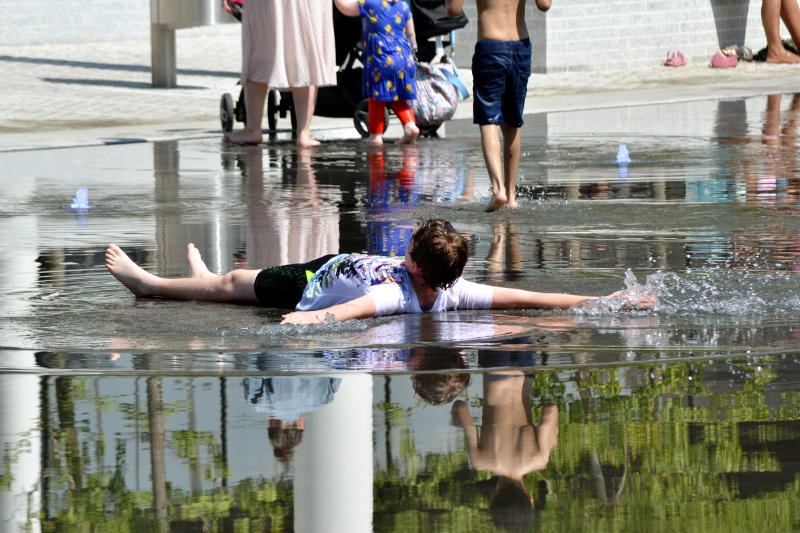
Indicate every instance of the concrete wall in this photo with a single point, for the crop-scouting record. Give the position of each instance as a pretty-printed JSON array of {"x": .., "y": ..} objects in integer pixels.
[
  {"x": 71, "y": 21},
  {"x": 573, "y": 35},
  {"x": 621, "y": 34}
]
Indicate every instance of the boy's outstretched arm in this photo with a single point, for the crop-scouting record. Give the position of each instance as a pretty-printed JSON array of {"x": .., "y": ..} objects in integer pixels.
[
  {"x": 454, "y": 7},
  {"x": 505, "y": 298},
  {"x": 361, "y": 307},
  {"x": 348, "y": 7}
]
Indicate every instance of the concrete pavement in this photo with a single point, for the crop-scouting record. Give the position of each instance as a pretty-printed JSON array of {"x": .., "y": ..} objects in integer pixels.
[{"x": 97, "y": 93}]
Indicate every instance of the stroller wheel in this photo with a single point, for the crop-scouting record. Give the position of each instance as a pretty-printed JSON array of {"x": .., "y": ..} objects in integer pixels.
[
  {"x": 226, "y": 112},
  {"x": 361, "y": 118}
]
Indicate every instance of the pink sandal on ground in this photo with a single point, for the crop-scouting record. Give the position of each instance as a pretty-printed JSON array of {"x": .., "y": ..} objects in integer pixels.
[
  {"x": 675, "y": 59},
  {"x": 722, "y": 60}
]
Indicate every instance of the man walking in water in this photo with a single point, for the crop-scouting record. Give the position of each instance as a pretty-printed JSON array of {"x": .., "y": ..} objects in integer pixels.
[{"x": 501, "y": 67}]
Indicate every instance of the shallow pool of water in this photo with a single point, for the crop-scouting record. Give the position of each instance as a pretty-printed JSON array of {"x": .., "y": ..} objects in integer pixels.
[{"x": 159, "y": 415}]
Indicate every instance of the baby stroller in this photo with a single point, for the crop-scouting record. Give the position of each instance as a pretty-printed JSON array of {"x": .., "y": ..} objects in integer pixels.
[{"x": 345, "y": 98}]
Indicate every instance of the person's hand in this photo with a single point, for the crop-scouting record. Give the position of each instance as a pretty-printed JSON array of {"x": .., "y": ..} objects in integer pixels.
[
  {"x": 304, "y": 317},
  {"x": 459, "y": 414},
  {"x": 634, "y": 300},
  {"x": 227, "y": 6}
]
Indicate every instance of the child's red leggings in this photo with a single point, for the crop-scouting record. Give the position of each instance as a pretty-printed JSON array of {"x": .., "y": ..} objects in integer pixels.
[{"x": 376, "y": 114}]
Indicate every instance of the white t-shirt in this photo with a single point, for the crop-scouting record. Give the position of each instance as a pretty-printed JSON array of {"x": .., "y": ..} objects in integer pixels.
[{"x": 350, "y": 276}]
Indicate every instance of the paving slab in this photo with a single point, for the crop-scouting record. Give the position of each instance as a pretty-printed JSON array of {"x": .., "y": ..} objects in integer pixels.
[{"x": 100, "y": 93}]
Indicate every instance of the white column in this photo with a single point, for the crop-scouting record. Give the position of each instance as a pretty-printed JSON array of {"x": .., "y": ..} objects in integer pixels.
[
  {"x": 333, "y": 463},
  {"x": 20, "y": 451}
]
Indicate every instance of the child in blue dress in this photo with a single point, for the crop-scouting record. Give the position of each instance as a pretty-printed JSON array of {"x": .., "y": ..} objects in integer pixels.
[{"x": 389, "y": 64}]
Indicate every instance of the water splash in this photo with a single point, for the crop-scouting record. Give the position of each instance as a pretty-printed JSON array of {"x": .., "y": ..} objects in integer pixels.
[
  {"x": 81, "y": 199},
  {"x": 710, "y": 292},
  {"x": 623, "y": 157}
]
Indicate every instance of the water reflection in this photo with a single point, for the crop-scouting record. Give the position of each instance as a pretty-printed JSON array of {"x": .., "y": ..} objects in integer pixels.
[
  {"x": 167, "y": 453},
  {"x": 509, "y": 444}
]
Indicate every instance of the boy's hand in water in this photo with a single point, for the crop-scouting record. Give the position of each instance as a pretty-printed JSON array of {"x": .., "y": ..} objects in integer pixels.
[
  {"x": 303, "y": 317},
  {"x": 633, "y": 300}
]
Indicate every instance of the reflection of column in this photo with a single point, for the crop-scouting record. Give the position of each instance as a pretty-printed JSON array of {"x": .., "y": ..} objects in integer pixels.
[
  {"x": 20, "y": 448},
  {"x": 155, "y": 417},
  {"x": 333, "y": 463}
]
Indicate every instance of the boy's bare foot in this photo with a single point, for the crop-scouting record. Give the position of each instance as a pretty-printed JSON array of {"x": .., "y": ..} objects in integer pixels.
[
  {"x": 374, "y": 139},
  {"x": 410, "y": 133},
  {"x": 783, "y": 56},
  {"x": 512, "y": 203},
  {"x": 134, "y": 277},
  {"x": 196, "y": 263},
  {"x": 244, "y": 137},
  {"x": 498, "y": 200}
]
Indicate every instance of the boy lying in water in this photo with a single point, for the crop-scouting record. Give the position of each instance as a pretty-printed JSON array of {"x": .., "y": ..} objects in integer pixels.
[{"x": 347, "y": 286}]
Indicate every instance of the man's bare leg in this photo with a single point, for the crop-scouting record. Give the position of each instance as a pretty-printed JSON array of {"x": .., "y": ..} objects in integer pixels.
[
  {"x": 490, "y": 143},
  {"x": 511, "y": 155},
  {"x": 235, "y": 286},
  {"x": 305, "y": 100},
  {"x": 254, "y": 95}
]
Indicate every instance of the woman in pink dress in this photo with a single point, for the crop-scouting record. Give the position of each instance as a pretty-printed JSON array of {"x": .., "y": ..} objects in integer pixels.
[{"x": 286, "y": 45}]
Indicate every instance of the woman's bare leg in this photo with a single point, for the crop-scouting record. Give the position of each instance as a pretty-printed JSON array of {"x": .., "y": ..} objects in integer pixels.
[
  {"x": 235, "y": 286},
  {"x": 790, "y": 14},
  {"x": 305, "y": 99},
  {"x": 254, "y": 95},
  {"x": 771, "y": 11}
]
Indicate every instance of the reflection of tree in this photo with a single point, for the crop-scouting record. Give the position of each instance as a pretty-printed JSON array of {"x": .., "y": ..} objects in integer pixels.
[{"x": 701, "y": 447}]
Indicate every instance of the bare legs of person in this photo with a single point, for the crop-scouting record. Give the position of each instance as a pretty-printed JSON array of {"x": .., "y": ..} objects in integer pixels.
[
  {"x": 772, "y": 11},
  {"x": 203, "y": 285},
  {"x": 503, "y": 176},
  {"x": 254, "y": 95},
  {"x": 305, "y": 100}
]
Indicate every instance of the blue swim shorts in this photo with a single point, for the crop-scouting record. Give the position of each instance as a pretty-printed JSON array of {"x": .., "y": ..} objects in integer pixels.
[{"x": 500, "y": 72}]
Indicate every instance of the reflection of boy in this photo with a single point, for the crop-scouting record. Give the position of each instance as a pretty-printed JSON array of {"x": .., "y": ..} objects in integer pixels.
[
  {"x": 287, "y": 399},
  {"x": 509, "y": 445},
  {"x": 501, "y": 67}
]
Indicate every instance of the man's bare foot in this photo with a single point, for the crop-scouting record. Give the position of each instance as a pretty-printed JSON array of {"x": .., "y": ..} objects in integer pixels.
[
  {"x": 134, "y": 277},
  {"x": 497, "y": 201},
  {"x": 196, "y": 263},
  {"x": 512, "y": 202},
  {"x": 374, "y": 139},
  {"x": 783, "y": 56},
  {"x": 410, "y": 133},
  {"x": 244, "y": 137},
  {"x": 306, "y": 141}
]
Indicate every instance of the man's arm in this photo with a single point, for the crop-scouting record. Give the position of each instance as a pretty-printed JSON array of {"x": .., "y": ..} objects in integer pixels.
[
  {"x": 454, "y": 7},
  {"x": 361, "y": 307}
]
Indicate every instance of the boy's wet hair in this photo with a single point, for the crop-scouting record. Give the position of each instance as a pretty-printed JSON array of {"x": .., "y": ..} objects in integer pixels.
[
  {"x": 511, "y": 507},
  {"x": 438, "y": 389},
  {"x": 440, "y": 252}
]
